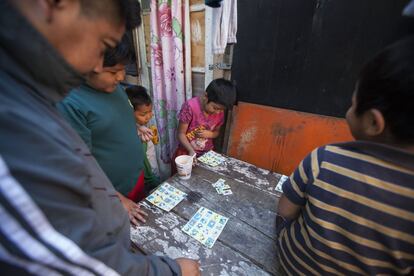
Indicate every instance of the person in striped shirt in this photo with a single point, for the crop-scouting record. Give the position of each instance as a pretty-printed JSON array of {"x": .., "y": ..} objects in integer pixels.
[{"x": 348, "y": 208}]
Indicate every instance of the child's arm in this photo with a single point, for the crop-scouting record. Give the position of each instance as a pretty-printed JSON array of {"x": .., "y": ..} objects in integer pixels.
[
  {"x": 295, "y": 188},
  {"x": 287, "y": 209},
  {"x": 182, "y": 130}
]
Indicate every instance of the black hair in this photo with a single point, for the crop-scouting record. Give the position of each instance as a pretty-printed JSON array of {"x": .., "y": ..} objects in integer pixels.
[
  {"x": 386, "y": 83},
  {"x": 222, "y": 92},
  {"x": 120, "y": 11},
  {"x": 138, "y": 96},
  {"x": 123, "y": 53}
]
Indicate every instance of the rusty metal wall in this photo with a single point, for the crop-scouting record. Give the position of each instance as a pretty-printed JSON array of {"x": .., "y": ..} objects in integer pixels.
[{"x": 278, "y": 139}]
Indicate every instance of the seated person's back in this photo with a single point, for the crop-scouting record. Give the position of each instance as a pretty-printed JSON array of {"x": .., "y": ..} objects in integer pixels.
[{"x": 348, "y": 208}]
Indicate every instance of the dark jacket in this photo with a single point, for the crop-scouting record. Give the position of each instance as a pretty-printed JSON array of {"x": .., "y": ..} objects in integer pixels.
[{"x": 48, "y": 157}]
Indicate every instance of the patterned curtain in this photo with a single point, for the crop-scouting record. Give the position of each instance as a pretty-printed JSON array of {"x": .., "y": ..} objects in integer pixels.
[{"x": 168, "y": 74}]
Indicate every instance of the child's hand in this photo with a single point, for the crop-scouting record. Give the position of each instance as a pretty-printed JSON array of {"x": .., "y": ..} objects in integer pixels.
[
  {"x": 203, "y": 133},
  {"x": 145, "y": 133},
  {"x": 134, "y": 210},
  {"x": 193, "y": 153}
]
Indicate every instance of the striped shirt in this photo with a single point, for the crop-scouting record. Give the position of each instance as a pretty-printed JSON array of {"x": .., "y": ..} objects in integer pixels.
[
  {"x": 30, "y": 245},
  {"x": 357, "y": 214}
]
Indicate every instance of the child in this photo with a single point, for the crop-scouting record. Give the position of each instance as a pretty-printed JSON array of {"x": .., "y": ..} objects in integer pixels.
[
  {"x": 348, "y": 208},
  {"x": 201, "y": 117},
  {"x": 100, "y": 112},
  {"x": 142, "y": 104}
]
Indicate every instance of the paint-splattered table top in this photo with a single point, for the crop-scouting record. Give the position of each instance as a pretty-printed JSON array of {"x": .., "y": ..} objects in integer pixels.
[{"x": 247, "y": 244}]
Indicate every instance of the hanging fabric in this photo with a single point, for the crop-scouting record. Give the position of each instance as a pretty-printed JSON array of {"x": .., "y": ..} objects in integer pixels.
[
  {"x": 168, "y": 74},
  {"x": 224, "y": 26}
]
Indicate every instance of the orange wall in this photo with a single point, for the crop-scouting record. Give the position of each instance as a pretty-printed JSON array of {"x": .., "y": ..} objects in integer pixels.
[{"x": 278, "y": 139}]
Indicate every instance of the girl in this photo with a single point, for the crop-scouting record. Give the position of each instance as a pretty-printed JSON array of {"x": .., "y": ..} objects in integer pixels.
[{"x": 201, "y": 117}]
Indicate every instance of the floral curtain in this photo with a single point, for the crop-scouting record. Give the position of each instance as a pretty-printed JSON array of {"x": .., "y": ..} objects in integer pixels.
[{"x": 168, "y": 74}]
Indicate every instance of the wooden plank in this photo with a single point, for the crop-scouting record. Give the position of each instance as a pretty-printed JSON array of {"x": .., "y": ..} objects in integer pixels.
[
  {"x": 195, "y": 2},
  {"x": 249, "y": 174},
  {"x": 248, "y": 242},
  {"x": 248, "y": 203},
  {"x": 147, "y": 33},
  {"x": 162, "y": 235},
  {"x": 241, "y": 234},
  {"x": 197, "y": 22}
]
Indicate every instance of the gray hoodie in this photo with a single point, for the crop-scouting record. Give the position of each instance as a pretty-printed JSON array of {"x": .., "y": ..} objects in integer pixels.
[{"x": 48, "y": 157}]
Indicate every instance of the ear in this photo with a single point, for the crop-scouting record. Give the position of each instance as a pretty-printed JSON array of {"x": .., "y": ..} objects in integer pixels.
[
  {"x": 374, "y": 122},
  {"x": 205, "y": 98}
]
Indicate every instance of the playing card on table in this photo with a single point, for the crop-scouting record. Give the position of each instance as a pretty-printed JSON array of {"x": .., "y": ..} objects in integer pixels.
[
  {"x": 211, "y": 158},
  {"x": 218, "y": 183},
  {"x": 205, "y": 226},
  {"x": 221, "y": 188},
  {"x": 166, "y": 197},
  {"x": 280, "y": 183}
]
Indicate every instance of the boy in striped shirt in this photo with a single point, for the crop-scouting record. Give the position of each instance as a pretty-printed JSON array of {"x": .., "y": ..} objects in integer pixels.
[{"x": 348, "y": 208}]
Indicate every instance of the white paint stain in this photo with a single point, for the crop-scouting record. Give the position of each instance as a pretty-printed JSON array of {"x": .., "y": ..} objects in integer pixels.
[
  {"x": 179, "y": 235},
  {"x": 171, "y": 251},
  {"x": 224, "y": 272},
  {"x": 143, "y": 234},
  {"x": 150, "y": 207},
  {"x": 196, "y": 32},
  {"x": 248, "y": 174},
  {"x": 248, "y": 135},
  {"x": 246, "y": 269},
  {"x": 242, "y": 268},
  {"x": 167, "y": 221},
  {"x": 246, "y": 171}
]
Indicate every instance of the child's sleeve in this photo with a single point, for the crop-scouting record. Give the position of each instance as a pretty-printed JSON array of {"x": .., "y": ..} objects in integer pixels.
[
  {"x": 295, "y": 188},
  {"x": 186, "y": 114}
]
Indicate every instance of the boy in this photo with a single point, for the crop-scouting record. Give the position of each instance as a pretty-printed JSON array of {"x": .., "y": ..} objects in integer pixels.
[
  {"x": 99, "y": 111},
  {"x": 142, "y": 104},
  {"x": 348, "y": 208}
]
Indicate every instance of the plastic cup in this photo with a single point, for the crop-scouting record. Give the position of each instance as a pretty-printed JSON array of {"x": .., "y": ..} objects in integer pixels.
[{"x": 184, "y": 165}]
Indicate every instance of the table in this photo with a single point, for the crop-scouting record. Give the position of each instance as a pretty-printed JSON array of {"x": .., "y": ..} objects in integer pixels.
[{"x": 247, "y": 244}]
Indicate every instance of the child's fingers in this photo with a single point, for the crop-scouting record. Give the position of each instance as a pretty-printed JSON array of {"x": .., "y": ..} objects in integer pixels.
[
  {"x": 133, "y": 220},
  {"x": 145, "y": 137},
  {"x": 139, "y": 216},
  {"x": 140, "y": 211}
]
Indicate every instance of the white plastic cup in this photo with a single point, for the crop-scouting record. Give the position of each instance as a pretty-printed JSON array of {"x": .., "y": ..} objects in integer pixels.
[{"x": 184, "y": 165}]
